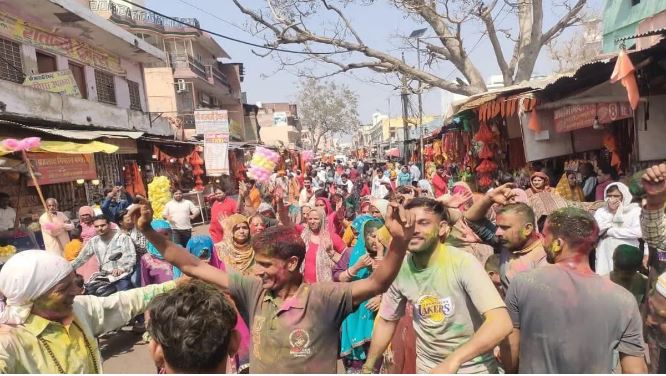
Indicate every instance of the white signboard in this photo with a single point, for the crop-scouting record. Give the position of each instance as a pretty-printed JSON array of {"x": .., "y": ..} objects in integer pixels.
[{"x": 214, "y": 125}]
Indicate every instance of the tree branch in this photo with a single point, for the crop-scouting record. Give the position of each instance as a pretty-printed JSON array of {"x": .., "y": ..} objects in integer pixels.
[{"x": 567, "y": 20}]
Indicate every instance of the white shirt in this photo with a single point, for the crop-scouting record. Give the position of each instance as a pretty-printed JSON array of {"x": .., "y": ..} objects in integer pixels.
[
  {"x": 178, "y": 213},
  {"x": 415, "y": 172},
  {"x": 7, "y": 218}
]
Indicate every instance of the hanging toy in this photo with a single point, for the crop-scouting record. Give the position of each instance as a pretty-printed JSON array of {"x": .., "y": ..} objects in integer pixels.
[{"x": 262, "y": 164}]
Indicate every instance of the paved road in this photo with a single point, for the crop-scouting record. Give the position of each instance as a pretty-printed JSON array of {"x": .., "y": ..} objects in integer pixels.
[{"x": 124, "y": 352}]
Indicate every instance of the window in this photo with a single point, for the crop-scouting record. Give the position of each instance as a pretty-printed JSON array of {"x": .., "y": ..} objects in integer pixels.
[
  {"x": 80, "y": 78},
  {"x": 135, "y": 96},
  {"x": 11, "y": 64},
  {"x": 106, "y": 89},
  {"x": 46, "y": 63}
]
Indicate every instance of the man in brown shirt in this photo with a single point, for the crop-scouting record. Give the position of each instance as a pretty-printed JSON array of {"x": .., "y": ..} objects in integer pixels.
[
  {"x": 294, "y": 325},
  {"x": 521, "y": 244}
]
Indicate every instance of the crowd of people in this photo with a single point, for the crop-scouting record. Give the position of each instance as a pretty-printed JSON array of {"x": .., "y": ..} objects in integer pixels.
[{"x": 380, "y": 268}]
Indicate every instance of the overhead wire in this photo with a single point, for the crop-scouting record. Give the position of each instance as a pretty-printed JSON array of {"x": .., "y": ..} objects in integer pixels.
[{"x": 231, "y": 38}]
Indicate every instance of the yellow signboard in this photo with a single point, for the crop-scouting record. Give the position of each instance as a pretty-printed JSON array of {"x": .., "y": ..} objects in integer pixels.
[
  {"x": 55, "y": 82},
  {"x": 23, "y": 32}
]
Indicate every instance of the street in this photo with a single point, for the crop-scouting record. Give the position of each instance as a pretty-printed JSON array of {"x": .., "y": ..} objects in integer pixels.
[{"x": 124, "y": 351}]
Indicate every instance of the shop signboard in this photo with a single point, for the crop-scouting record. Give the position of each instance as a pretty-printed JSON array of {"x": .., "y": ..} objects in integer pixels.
[
  {"x": 210, "y": 119},
  {"x": 22, "y": 31},
  {"x": 60, "y": 168},
  {"x": 55, "y": 82},
  {"x": 280, "y": 119},
  {"x": 214, "y": 125},
  {"x": 569, "y": 118}
]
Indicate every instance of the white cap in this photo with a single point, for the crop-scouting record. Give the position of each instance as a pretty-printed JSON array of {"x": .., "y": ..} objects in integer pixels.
[{"x": 661, "y": 284}]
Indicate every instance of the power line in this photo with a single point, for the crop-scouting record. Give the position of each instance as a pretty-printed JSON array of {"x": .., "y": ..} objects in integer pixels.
[
  {"x": 212, "y": 15},
  {"x": 231, "y": 38}
]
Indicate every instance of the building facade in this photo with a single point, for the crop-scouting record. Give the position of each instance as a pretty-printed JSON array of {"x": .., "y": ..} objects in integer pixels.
[
  {"x": 279, "y": 124},
  {"x": 62, "y": 65},
  {"x": 626, "y": 18},
  {"x": 192, "y": 76}
]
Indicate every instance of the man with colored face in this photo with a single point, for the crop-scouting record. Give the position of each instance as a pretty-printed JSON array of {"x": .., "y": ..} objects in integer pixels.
[
  {"x": 566, "y": 318},
  {"x": 294, "y": 325},
  {"x": 459, "y": 317},
  {"x": 47, "y": 327}
]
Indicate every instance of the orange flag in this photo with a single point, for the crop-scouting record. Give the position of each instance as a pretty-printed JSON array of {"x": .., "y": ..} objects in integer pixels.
[
  {"x": 533, "y": 123},
  {"x": 624, "y": 72}
]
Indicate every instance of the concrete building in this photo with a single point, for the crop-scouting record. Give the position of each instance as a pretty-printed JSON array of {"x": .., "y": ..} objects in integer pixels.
[
  {"x": 279, "y": 124},
  {"x": 192, "y": 76},
  {"x": 98, "y": 81},
  {"x": 627, "y": 18}
]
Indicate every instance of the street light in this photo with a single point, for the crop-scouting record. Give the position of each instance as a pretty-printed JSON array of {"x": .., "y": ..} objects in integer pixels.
[{"x": 418, "y": 33}]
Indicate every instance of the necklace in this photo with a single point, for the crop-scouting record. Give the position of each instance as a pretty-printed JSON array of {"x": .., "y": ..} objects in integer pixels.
[{"x": 57, "y": 363}]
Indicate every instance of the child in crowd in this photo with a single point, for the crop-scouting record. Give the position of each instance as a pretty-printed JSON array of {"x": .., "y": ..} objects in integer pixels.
[
  {"x": 493, "y": 270},
  {"x": 74, "y": 246}
]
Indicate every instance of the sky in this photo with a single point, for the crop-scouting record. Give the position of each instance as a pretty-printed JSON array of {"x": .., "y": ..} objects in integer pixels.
[{"x": 378, "y": 25}]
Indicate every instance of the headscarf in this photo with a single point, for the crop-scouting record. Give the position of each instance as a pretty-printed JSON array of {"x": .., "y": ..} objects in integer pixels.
[
  {"x": 625, "y": 206},
  {"x": 86, "y": 210},
  {"x": 546, "y": 184},
  {"x": 462, "y": 187},
  {"x": 382, "y": 206},
  {"x": 157, "y": 225},
  {"x": 519, "y": 196},
  {"x": 565, "y": 190},
  {"x": 426, "y": 186},
  {"x": 357, "y": 327},
  {"x": 25, "y": 277},
  {"x": 324, "y": 261},
  {"x": 239, "y": 258},
  {"x": 328, "y": 208},
  {"x": 196, "y": 246}
]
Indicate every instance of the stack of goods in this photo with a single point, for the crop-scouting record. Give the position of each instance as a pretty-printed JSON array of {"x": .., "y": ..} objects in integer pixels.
[
  {"x": 6, "y": 252},
  {"x": 159, "y": 193}
]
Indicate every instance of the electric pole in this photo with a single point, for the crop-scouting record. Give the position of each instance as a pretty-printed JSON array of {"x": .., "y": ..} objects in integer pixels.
[{"x": 404, "y": 97}]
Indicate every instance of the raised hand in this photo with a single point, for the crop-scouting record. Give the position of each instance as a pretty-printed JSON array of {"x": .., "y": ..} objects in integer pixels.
[
  {"x": 399, "y": 222},
  {"x": 654, "y": 183},
  {"x": 142, "y": 214},
  {"x": 502, "y": 194},
  {"x": 456, "y": 199}
]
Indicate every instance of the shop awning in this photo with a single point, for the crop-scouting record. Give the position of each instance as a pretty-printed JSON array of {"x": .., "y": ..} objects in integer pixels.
[
  {"x": 70, "y": 147},
  {"x": 85, "y": 134}
]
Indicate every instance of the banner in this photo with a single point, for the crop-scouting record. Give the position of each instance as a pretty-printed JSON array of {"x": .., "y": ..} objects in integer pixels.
[
  {"x": 569, "y": 118},
  {"x": 59, "y": 168},
  {"x": 214, "y": 125},
  {"x": 55, "y": 82},
  {"x": 210, "y": 119},
  {"x": 22, "y": 32}
]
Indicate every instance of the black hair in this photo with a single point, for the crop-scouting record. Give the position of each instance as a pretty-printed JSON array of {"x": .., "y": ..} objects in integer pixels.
[
  {"x": 107, "y": 191},
  {"x": 101, "y": 217},
  {"x": 307, "y": 177},
  {"x": 430, "y": 204},
  {"x": 3, "y": 195},
  {"x": 282, "y": 242},
  {"x": 576, "y": 227},
  {"x": 321, "y": 193},
  {"x": 522, "y": 209},
  {"x": 119, "y": 217},
  {"x": 193, "y": 324}
]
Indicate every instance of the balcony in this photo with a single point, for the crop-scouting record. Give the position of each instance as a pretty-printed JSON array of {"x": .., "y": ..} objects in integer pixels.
[
  {"x": 181, "y": 60},
  {"x": 141, "y": 18},
  {"x": 24, "y": 102},
  {"x": 216, "y": 76}
]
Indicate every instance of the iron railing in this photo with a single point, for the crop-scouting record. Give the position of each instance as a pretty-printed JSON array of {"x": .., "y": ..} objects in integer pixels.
[{"x": 139, "y": 17}]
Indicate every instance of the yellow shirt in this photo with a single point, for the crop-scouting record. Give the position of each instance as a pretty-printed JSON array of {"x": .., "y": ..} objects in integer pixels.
[{"x": 21, "y": 351}]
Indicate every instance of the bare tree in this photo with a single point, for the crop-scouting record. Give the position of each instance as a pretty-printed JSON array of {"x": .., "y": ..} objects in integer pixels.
[
  {"x": 580, "y": 47},
  {"x": 299, "y": 22},
  {"x": 325, "y": 108}
]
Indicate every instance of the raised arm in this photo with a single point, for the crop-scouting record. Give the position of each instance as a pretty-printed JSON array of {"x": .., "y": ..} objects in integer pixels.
[
  {"x": 499, "y": 195},
  {"x": 400, "y": 223},
  {"x": 653, "y": 222},
  {"x": 174, "y": 253}
]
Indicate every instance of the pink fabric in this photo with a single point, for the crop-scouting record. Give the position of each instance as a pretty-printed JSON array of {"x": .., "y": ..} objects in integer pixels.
[
  {"x": 87, "y": 232},
  {"x": 327, "y": 208},
  {"x": 86, "y": 270},
  {"x": 310, "y": 262},
  {"x": 440, "y": 185},
  {"x": 241, "y": 326},
  {"x": 220, "y": 209}
]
